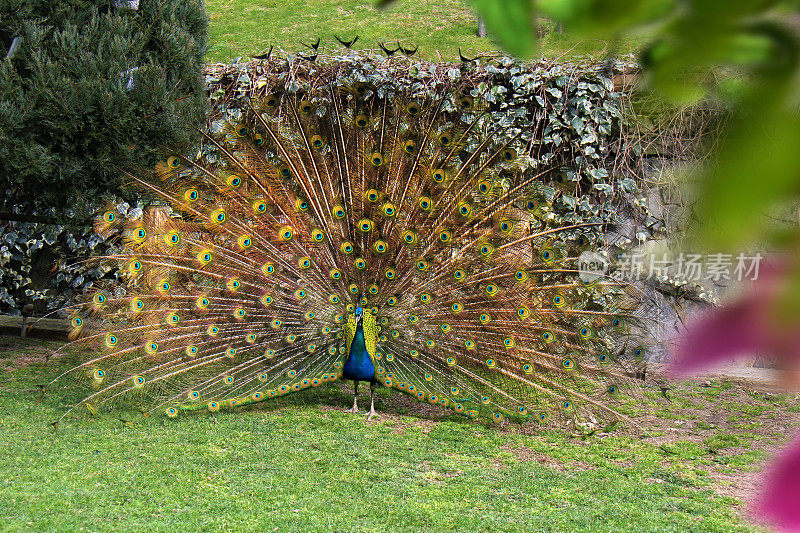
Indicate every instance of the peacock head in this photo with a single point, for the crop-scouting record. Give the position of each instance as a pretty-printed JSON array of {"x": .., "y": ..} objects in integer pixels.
[{"x": 359, "y": 313}]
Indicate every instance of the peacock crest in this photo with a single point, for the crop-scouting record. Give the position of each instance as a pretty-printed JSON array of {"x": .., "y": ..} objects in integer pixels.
[{"x": 355, "y": 227}]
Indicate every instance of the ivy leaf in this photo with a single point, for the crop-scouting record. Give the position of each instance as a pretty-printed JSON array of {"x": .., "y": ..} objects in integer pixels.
[{"x": 554, "y": 91}]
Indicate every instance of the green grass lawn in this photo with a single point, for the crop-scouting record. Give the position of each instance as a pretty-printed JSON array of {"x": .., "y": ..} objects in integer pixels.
[
  {"x": 300, "y": 463},
  {"x": 438, "y": 27}
]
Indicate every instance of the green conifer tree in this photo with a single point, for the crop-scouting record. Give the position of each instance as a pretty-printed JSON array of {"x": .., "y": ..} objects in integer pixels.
[{"x": 88, "y": 87}]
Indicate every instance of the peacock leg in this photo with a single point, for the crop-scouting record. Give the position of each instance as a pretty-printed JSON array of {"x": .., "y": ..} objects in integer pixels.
[
  {"x": 355, "y": 398},
  {"x": 372, "y": 401}
]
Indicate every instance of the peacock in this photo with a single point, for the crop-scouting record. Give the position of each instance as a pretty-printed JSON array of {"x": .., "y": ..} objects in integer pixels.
[{"x": 358, "y": 232}]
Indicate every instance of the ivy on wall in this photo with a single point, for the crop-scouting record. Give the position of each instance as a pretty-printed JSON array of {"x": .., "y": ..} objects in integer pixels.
[{"x": 565, "y": 114}]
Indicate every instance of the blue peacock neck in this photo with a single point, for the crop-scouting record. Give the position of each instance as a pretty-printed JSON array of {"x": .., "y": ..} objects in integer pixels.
[{"x": 358, "y": 365}]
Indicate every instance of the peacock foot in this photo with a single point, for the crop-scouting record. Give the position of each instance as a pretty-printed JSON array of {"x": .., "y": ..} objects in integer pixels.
[{"x": 371, "y": 414}]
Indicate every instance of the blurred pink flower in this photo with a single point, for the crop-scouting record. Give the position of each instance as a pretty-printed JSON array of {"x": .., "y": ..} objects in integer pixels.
[
  {"x": 749, "y": 326},
  {"x": 780, "y": 502}
]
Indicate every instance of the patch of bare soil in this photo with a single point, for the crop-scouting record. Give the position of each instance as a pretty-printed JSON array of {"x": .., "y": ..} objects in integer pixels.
[
  {"x": 525, "y": 454},
  {"x": 16, "y": 352}
]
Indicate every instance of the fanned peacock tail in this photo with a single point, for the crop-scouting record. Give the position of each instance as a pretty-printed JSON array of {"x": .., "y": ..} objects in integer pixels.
[{"x": 416, "y": 210}]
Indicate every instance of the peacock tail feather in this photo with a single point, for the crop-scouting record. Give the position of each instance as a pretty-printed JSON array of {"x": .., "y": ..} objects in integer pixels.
[{"x": 417, "y": 209}]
